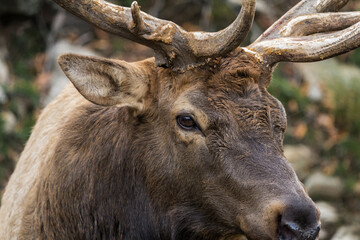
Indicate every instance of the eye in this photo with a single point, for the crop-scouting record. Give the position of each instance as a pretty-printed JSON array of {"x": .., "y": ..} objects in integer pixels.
[
  {"x": 187, "y": 123},
  {"x": 279, "y": 130}
]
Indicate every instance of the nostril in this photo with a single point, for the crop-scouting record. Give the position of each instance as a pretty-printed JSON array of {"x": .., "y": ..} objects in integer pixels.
[
  {"x": 288, "y": 231},
  {"x": 291, "y": 231},
  {"x": 315, "y": 232}
]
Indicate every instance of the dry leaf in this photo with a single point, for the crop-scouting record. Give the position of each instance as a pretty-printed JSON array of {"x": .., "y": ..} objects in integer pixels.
[{"x": 300, "y": 130}]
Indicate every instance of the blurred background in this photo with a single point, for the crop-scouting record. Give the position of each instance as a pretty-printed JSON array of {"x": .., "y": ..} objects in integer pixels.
[{"x": 322, "y": 99}]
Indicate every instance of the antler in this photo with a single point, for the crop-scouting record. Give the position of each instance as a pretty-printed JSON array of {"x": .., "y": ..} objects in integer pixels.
[
  {"x": 306, "y": 34},
  {"x": 174, "y": 47}
]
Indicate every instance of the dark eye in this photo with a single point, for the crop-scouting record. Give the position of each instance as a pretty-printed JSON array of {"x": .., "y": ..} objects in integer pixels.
[
  {"x": 187, "y": 123},
  {"x": 279, "y": 130}
]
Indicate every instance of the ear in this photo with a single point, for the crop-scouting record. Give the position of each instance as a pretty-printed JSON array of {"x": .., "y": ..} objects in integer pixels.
[{"x": 108, "y": 82}]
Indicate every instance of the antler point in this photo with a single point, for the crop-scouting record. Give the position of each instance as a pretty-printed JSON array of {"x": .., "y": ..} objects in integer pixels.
[{"x": 136, "y": 15}]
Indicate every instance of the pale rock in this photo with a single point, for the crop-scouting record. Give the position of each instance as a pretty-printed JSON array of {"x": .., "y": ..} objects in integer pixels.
[
  {"x": 4, "y": 73},
  {"x": 357, "y": 189},
  {"x": 322, "y": 187},
  {"x": 329, "y": 214},
  {"x": 323, "y": 234},
  {"x": 301, "y": 157},
  {"x": 58, "y": 79},
  {"x": 9, "y": 122},
  {"x": 329, "y": 217},
  {"x": 4, "y": 69},
  {"x": 3, "y": 97},
  {"x": 347, "y": 233}
]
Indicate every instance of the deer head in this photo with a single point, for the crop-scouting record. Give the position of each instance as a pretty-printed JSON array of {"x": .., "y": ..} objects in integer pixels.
[{"x": 218, "y": 131}]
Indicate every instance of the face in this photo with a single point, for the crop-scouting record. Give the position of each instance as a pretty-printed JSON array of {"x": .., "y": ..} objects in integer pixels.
[
  {"x": 225, "y": 135},
  {"x": 211, "y": 140}
]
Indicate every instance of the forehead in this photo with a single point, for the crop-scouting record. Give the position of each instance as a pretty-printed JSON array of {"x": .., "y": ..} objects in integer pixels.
[
  {"x": 237, "y": 79},
  {"x": 233, "y": 80}
]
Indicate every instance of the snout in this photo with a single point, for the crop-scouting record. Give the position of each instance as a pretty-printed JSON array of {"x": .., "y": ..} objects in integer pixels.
[
  {"x": 293, "y": 218},
  {"x": 299, "y": 223},
  {"x": 299, "y": 220}
]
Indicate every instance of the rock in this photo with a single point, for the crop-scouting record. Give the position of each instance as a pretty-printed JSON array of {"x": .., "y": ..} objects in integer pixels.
[
  {"x": 9, "y": 122},
  {"x": 357, "y": 189},
  {"x": 329, "y": 217},
  {"x": 58, "y": 79},
  {"x": 3, "y": 97},
  {"x": 323, "y": 234},
  {"x": 322, "y": 187},
  {"x": 301, "y": 157},
  {"x": 347, "y": 233},
  {"x": 4, "y": 73},
  {"x": 4, "y": 69},
  {"x": 329, "y": 214}
]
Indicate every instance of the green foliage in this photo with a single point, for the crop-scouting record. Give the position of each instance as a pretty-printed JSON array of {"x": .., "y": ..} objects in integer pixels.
[
  {"x": 25, "y": 44},
  {"x": 286, "y": 91},
  {"x": 23, "y": 99},
  {"x": 355, "y": 57},
  {"x": 6, "y": 163},
  {"x": 117, "y": 45},
  {"x": 222, "y": 15},
  {"x": 347, "y": 105},
  {"x": 22, "y": 96},
  {"x": 344, "y": 111},
  {"x": 347, "y": 119}
]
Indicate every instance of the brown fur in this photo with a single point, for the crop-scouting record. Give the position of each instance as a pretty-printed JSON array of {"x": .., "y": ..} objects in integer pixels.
[{"x": 123, "y": 172}]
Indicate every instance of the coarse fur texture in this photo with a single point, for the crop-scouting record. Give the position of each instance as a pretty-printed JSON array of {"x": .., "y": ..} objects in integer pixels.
[
  {"x": 128, "y": 170},
  {"x": 186, "y": 145}
]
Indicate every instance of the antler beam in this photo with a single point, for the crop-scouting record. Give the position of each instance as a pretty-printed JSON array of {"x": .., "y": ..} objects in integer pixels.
[
  {"x": 304, "y": 34},
  {"x": 174, "y": 47}
]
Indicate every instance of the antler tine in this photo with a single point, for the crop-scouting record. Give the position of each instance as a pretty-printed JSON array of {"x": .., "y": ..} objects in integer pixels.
[
  {"x": 302, "y": 8},
  {"x": 139, "y": 24},
  {"x": 309, "y": 48},
  {"x": 173, "y": 46},
  {"x": 304, "y": 36},
  {"x": 222, "y": 42},
  {"x": 321, "y": 22}
]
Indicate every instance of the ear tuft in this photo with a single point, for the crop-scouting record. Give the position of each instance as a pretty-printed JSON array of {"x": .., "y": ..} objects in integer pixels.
[
  {"x": 105, "y": 81},
  {"x": 63, "y": 61}
]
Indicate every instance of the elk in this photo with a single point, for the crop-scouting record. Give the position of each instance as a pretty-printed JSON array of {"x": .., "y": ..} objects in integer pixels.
[{"x": 186, "y": 145}]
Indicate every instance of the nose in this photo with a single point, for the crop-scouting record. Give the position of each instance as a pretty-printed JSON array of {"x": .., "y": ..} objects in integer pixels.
[{"x": 299, "y": 221}]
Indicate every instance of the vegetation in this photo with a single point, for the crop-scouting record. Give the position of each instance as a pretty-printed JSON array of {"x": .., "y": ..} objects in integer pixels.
[
  {"x": 331, "y": 125},
  {"x": 18, "y": 112}
]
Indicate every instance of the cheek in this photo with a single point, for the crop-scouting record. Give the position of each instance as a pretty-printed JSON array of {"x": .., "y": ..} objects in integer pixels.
[
  {"x": 189, "y": 138},
  {"x": 190, "y": 146}
]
